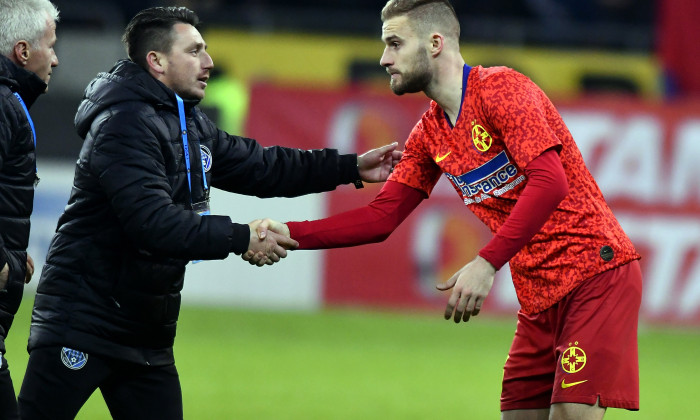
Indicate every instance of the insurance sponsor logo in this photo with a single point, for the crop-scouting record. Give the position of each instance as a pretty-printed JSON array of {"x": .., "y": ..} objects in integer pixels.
[{"x": 492, "y": 179}]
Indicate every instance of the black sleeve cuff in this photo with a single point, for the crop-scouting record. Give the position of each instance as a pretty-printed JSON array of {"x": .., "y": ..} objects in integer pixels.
[
  {"x": 240, "y": 238},
  {"x": 349, "y": 171},
  {"x": 3, "y": 258}
]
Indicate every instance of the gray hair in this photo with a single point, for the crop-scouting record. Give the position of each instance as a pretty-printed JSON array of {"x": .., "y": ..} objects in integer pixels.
[{"x": 24, "y": 20}]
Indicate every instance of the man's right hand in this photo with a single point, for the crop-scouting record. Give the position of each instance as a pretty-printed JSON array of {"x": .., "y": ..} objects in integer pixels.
[
  {"x": 269, "y": 247},
  {"x": 4, "y": 275}
]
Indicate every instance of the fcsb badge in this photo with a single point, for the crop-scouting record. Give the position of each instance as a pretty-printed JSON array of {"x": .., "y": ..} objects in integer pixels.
[
  {"x": 573, "y": 359},
  {"x": 481, "y": 138}
]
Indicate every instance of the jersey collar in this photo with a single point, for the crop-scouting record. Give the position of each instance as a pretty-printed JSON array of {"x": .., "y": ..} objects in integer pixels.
[{"x": 465, "y": 78}]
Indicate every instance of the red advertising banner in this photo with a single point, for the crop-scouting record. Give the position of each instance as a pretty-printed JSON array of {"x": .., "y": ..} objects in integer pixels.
[{"x": 645, "y": 157}]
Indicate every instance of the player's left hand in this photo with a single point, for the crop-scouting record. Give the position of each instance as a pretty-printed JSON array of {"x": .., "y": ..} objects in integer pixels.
[
  {"x": 470, "y": 286},
  {"x": 376, "y": 165},
  {"x": 30, "y": 270}
]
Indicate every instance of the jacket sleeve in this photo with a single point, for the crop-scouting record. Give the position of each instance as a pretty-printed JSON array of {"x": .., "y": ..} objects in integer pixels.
[
  {"x": 241, "y": 165},
  {"x": 7, "y": 128},
  {"x": 128, "y": 162}
]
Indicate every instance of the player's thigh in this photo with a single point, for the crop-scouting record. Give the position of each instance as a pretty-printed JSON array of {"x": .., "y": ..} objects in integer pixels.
[
  {"x": 57, "y": 383},
  {"x": 597, "y": 343},
  {"x": 528, "y": 373},
  {"x": 144, "y": 392}
]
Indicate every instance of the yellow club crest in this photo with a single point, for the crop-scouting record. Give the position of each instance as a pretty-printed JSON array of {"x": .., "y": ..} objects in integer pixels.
[
  {"x": 481, "y": 138},
  {"x": 573, "y": 359}
]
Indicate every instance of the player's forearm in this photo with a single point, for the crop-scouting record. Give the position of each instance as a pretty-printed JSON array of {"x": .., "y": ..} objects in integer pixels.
[{"x": 369, "y": 224}]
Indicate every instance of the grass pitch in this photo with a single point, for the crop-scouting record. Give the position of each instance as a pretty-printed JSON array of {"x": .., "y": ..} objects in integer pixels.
[{"x": 352, "y": 364}]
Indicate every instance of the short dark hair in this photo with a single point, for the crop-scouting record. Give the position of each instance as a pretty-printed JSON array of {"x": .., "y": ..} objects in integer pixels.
[
  {"x": 425, "y": 15},
  {"x": 151, "y": 30}
]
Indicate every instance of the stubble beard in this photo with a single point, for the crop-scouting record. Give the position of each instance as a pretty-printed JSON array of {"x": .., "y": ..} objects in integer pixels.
[{"x": 417, "y": 79}]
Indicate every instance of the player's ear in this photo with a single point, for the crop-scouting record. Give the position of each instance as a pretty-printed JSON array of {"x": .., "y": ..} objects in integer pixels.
[{"x": 437, "y": 43}]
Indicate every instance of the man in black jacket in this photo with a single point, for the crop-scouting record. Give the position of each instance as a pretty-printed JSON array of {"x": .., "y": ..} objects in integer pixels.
[
  {"x": 108, "y": 299},
  {"x": 27, "y": 37}
]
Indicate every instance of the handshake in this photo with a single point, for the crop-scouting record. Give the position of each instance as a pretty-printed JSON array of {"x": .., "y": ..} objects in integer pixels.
[{"x": 269, "y": 242}]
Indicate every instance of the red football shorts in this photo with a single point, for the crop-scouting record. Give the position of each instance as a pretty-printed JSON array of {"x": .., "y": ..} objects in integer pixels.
[{"x": 581, "y": 350}]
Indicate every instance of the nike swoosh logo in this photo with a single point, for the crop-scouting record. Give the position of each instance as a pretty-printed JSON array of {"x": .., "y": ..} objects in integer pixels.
[
  {"x": 439, "y": 158},
  {"x": 564, "y": 385}
]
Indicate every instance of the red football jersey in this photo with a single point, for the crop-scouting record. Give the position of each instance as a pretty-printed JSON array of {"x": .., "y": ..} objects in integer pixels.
[{"x": 505, "y": 122}]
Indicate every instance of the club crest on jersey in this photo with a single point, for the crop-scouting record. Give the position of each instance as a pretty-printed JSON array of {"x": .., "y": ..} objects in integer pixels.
[
  {"x": 573, "y": 359},
  {"x": 206, "y": 157},
  {"x": 480, "y": 137},
  {"x": 493, "y": 178},
  {"x": 73, "y": 359}
]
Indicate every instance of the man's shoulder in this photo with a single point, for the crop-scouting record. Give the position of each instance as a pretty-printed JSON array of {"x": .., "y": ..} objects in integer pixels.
[
  {"x": 130, "y": 114},
  {"x": 499, "y": 78},
  {"x": 9, "y": 105},
  {"x": 496, "y": 71}
]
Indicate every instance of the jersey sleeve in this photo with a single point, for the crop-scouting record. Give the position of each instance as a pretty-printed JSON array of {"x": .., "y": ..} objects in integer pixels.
[
  {"x": 522, "y": 113},
  {"x": 416, "y": 167},
  {"x": 371, "y": 223},
  {"x": 545, "y": 189}
]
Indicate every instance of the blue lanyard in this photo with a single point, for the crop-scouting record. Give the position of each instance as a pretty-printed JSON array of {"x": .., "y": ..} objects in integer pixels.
[
  {"x": 185, "y": 146},
  {"x": 31, "y": 124}
]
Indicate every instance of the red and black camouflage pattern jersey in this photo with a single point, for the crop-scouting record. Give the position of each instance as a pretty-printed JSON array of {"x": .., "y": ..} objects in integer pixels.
[{"x": 505, "y": 122}]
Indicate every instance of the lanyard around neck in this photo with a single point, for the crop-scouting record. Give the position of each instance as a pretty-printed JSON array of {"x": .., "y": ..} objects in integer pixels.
[
  {"x": 185, "y": 146},
  {"x": 31, "y": 123}
]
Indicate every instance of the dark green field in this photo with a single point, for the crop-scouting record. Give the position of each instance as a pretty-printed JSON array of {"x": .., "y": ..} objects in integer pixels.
[{"x": 237, "y": 364}]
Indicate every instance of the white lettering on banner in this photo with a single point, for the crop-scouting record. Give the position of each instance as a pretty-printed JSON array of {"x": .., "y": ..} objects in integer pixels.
[
  {"x": 668, "y": 290},
  {"x": 690, "y": 299},
  {"x": 589, "y": 129},
  {"x": 685, "y": 170},
  {"x": 632, "y": 166}
]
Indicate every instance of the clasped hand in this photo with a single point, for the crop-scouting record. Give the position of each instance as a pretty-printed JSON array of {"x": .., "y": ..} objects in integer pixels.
[{"x": 268, "y": 244}]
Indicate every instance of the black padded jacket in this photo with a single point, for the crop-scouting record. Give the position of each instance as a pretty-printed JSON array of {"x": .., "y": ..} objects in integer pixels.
[
  {"x": 115, "y": 267},
  {"x": 17, "y": 177}
]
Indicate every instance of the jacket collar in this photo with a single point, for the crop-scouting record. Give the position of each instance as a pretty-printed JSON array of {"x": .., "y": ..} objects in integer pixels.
[{"x": 26, "y": 83}]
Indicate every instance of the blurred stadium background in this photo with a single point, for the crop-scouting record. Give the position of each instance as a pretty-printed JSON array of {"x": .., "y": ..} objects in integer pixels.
[{"x": 306, "y": 74}]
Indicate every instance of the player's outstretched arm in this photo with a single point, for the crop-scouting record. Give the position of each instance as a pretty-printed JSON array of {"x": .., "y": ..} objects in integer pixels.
[{"x": 369, "y": 224}]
